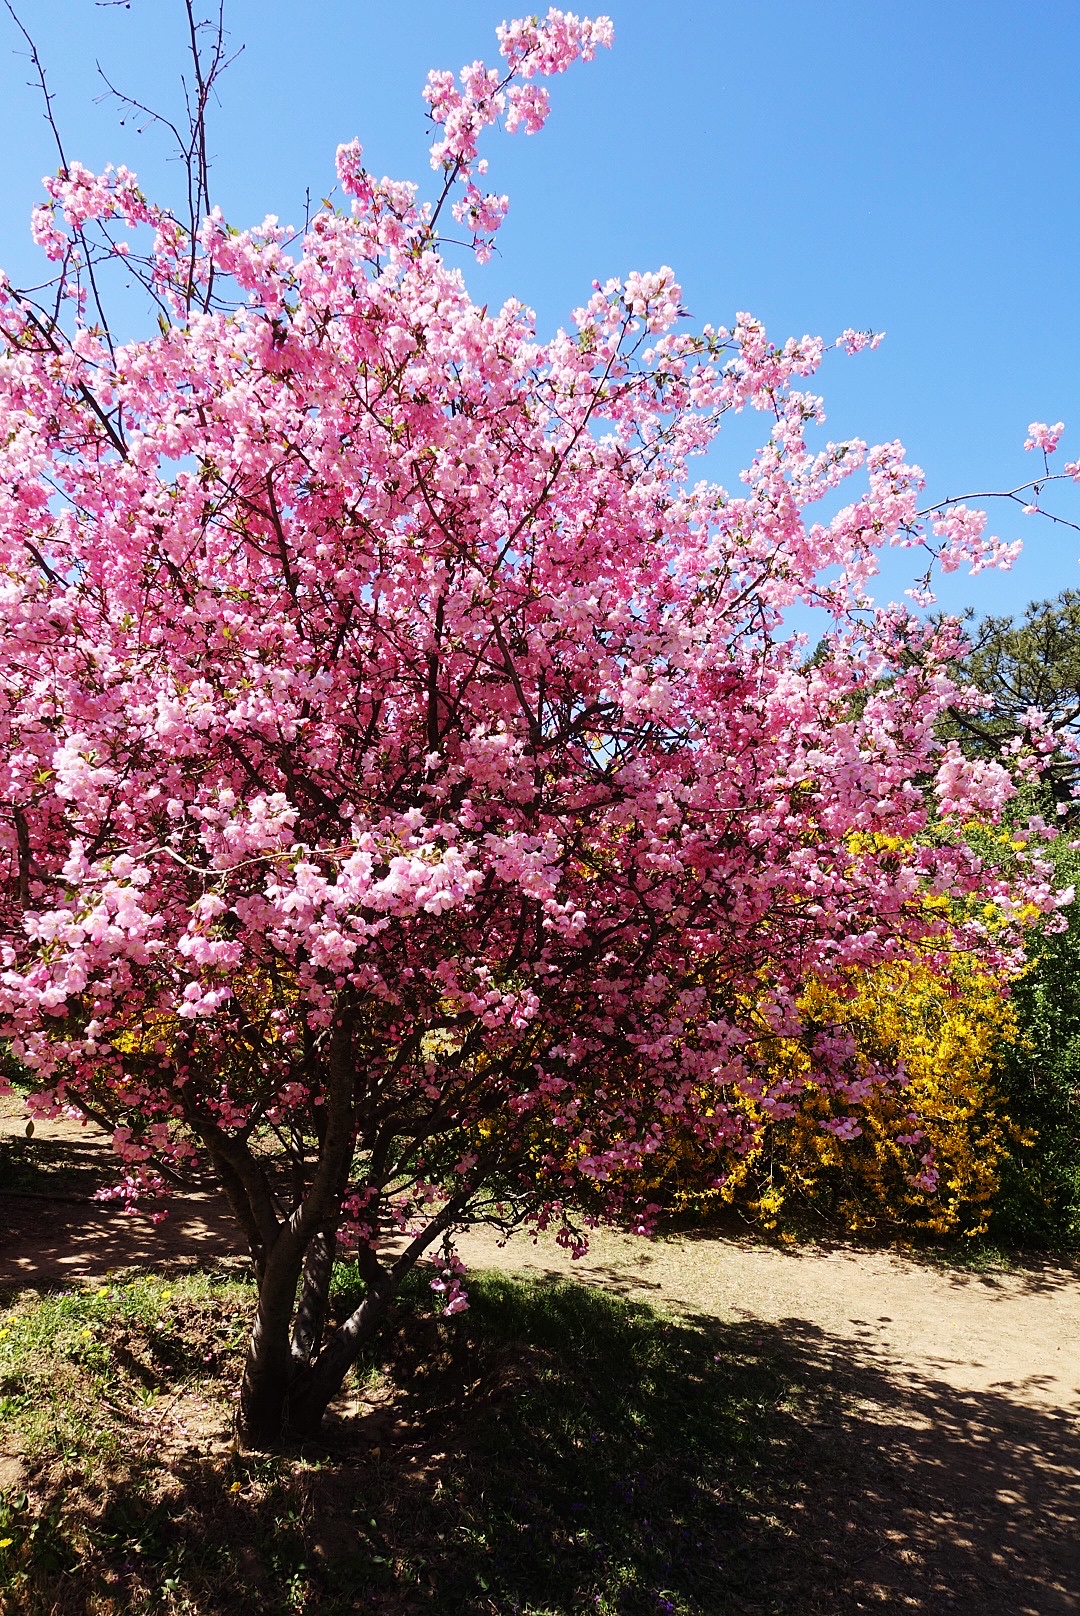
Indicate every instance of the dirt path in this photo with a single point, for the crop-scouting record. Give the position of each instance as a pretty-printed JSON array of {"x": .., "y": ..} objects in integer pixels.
[
  {"x": 944, "y": 1435},
  {"x": 55, "y": 1233},
  {"x": 1014, "y": 1332},
  {"x": 945, "y": 1446}
]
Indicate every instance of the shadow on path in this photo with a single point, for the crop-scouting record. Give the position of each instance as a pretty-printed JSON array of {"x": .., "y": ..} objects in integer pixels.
[
  {"x": 805, "y": 1472},
  {"x": 555, "y": 1441},
  {"x": 928, "y": 1498},
  {"x": 52, "y": 1231},
  {"x": 46, "y": 1243}
]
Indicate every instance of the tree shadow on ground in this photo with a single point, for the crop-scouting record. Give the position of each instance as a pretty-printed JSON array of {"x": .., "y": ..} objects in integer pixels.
[
  {"x": 50, "y": 1167},
  {"x": 52, "y": 1231},
  {"x": 1026, "y": 1275},
  {"x": 930, "y": 1498},
  {"x": 46, "y": 1243},
  {"x": 559, "y": 1450},
  {"x": 766, "y": 1468}
]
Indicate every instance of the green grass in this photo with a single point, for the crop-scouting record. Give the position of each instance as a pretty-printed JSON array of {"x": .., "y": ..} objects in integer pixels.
[
  {"x": 554, "y": 1451},
  {"x": 76, "y": 1367}
]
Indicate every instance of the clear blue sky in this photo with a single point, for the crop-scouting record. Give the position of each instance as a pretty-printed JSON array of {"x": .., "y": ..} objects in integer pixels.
[{"x": 821, "y": 163}]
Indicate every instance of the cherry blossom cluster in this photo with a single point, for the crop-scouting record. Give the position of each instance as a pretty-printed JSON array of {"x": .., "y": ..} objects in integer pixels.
[
  {"x": 461, "y": 109},
  {"x": 1045, "y": 439},
  {"x": 449, "y": 1283},
  {"x": 387, "y": 690}
]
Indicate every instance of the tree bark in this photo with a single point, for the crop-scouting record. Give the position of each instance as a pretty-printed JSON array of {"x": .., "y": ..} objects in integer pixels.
[
  {"x": 291, "y": 1374},
  {"x": 318, "y": 1271},
  {"x": 302, "y": 1244},
  {"x": 268, "y": 1369},
  {"x": 314, "y": 1390}
]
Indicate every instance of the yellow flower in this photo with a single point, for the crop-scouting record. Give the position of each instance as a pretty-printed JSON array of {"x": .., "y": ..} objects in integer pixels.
[{"x": 949, "y": 1026}]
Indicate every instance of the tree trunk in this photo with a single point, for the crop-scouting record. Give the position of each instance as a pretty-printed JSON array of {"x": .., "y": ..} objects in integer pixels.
[
  {"x": 307, "y": 1332},
  {"x": 288, "y": 1381},
  {"x": 282, "y": 1393},
  {"x": 313, "y": 1390},
  {"x": 278, "y": 1356},
  {"x": 268, "y": 1370},
  {"x": 317, "y": 1386}
]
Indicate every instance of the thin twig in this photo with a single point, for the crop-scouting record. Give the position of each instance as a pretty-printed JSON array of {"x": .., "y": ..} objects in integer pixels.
[
  {"x": 1035, "y": 487},
  {"x": 43, "y": 85}
]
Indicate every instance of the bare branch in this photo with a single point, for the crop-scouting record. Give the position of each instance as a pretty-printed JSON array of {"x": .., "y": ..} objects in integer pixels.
[
  {"x": 208, "y": 62},
  {"x": 42, "y": 81},
  {"x": 140, "y": 107},
  {"x": 1015, "y": 495}
]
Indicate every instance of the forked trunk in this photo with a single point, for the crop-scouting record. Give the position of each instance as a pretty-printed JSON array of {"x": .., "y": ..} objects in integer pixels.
[
  {"x": 315, "y": 1389},
  {"x": 283, "y": 1394}
]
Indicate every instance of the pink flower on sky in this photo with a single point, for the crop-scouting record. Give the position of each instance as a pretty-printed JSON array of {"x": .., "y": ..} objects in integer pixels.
[{"x": 1041, "y": 436}]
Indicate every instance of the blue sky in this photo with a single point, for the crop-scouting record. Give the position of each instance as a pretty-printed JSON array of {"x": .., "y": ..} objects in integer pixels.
[{"x": 821, "y": 163}]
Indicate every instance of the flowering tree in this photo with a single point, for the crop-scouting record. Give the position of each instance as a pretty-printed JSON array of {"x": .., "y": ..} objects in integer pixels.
[
  {"x": 1028, "y": 671},
  {"x": 407, "y": 777}
]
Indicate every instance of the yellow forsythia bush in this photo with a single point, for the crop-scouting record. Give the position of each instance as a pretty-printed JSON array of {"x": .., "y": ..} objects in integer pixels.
[{"x": 950, "y": 1030}]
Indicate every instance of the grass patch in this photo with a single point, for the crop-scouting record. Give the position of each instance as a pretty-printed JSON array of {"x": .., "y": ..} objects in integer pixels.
[
  {"x": 553, "y": 1451},
  {"x": 79, "y": 1368}
]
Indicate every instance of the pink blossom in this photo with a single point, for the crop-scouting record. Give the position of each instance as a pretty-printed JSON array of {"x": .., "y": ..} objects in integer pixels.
[
  {"x": 1041, "y": 436},
  {"x": 854, "y": 342}
]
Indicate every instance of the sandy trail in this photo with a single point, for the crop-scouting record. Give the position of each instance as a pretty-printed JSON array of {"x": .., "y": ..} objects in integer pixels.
[
  {"x": 944, "y": 1434},
  {"x": 1015, "y": 1332},
  {"x": 59, "y": 1234}
]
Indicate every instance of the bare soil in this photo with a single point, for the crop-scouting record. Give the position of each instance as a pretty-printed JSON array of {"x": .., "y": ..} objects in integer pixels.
[
  {"x": 56, "y": 1233},
  {"x": 946, "y": 1454}
]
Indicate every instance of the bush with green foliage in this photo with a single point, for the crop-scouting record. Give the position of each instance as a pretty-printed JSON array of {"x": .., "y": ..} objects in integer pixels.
[
  {"x": 1039, "y": 1200},
  {"x": 1028, "y": 668}
]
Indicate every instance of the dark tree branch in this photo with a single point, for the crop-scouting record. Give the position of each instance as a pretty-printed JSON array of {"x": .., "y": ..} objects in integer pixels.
[{"x": 42, "y": 81}]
